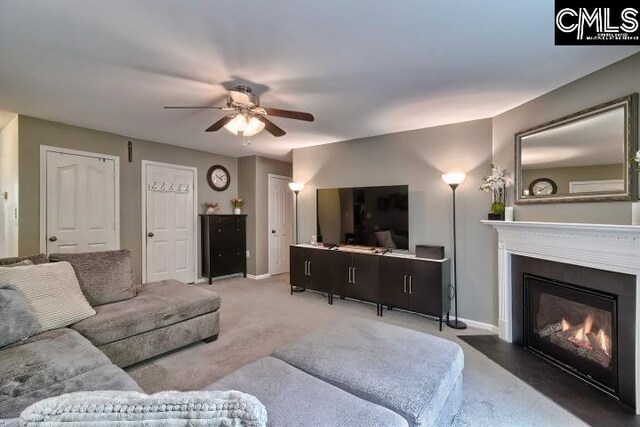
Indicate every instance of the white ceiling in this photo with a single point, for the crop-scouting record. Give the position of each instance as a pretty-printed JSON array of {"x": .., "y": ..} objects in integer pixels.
[{"x": 362, "y": 67}]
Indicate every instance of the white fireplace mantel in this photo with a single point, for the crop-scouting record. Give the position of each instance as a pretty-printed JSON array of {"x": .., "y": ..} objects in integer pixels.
[{"x": 604, "y": 247}]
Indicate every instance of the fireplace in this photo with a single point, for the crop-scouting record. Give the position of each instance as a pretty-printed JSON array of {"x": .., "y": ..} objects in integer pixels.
[
  {"x": 591, "y": 273},
  {"x": 573, "y": 327}
]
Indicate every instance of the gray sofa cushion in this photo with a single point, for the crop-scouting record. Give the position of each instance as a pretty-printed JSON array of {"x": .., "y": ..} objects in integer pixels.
[
  {"x": 36, "y": 259},
  {"x": 17, "y": 320},
  {"x": 167, "y": 409},
  {"x": 52, "y": 363},
  {"x": 157, "y": 305},
  {"x": 104, "y": 277},
  {"x": 293, "y": 398},
  {"x": 409, "y": 372}
]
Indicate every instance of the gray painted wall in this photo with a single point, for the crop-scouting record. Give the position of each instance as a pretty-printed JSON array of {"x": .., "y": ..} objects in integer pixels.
[
  {"x": 254, "y": 189},
  {"x": 36, "y": 132},
  {"x": 617, "y": 80},
  {"x": 418, "y": 158}
]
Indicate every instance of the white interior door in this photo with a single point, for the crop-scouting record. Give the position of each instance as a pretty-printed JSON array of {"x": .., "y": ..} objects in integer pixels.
[
  {"x": 170, "y": 223},
  {"x": 280, "y": 224},
  {"x": 81, "y": 207}
]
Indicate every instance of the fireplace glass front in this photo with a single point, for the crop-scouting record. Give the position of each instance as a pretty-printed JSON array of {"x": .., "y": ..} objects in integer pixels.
[{"x": 573, "y": 327}]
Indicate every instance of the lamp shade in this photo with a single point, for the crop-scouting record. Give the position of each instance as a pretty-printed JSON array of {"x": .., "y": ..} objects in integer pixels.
[
  {"x": 453, "y": 178},
  {"x": 245, "y": 126},
  {"x": 296, "y": 186}
]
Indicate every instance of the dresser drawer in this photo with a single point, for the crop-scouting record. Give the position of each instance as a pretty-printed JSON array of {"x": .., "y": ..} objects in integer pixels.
[{"x": 227, "y": 261}]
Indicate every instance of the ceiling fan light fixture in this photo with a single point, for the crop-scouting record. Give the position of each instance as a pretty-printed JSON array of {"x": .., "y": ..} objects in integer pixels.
[{"x": 244, "y": 126}]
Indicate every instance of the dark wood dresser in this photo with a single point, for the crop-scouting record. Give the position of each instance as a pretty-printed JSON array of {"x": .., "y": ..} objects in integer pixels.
[{"x": 224, "y": 245}]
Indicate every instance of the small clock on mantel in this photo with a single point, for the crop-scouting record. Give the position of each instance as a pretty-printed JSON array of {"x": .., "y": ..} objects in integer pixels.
[
  {"x": 542, "y": 187},
  {"x": 218, "y": 177}
]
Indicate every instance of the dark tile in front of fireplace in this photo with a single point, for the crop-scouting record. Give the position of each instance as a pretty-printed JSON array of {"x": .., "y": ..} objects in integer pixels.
[{"x": 573, "y": 394}]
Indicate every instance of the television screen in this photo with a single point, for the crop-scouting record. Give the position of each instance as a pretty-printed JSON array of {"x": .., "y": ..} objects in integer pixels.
[{"x": 368, "y": 216}]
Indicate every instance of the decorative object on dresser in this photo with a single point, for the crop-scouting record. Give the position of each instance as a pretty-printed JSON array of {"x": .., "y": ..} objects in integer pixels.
[
  {"x": 218, "y": 178},
  {"x": 237, "y": 204},
  {"x": 396, "y": 280},
  {"x": 211, "y": 208},
  {"x": 430, "y": 252},
  {"x": 454, "y": 180},
  {"x": 224, "y": 245},
  {"x": 496, "y": 184}
]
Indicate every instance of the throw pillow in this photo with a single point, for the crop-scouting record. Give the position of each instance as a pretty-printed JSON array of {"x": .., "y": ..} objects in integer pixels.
[
  {"x": 104, "y": 277},
  {"x": 17, "y": 320},
  {"x": 36, "y": 259},
  {"x": 169, "y": 408},
  {"x": 385, "y": 240},
  {"x": 52, "y": 292}
]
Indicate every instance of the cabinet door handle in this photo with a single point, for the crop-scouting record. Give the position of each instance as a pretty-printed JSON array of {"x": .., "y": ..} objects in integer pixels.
[
  {"x": 306, "y": 268},
  {"x": 404, "y": 282},
  {"x": 350, "y": 268},
  {"x": 309, "y": 267},
  {"x": 410, "y": 284},
  {"x": 354, "y": 275}
]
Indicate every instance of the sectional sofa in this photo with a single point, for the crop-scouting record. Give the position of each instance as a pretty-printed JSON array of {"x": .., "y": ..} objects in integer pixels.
[{"x": 146, "y": 321}]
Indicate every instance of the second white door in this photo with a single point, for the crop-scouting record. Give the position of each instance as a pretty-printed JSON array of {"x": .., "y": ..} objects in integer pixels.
[
  {"x": 280, "y": 224},
  {"x": 170, "y": 223}
]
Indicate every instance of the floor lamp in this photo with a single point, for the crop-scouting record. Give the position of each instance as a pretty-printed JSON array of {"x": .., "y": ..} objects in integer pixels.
[
  {"x": 454, "y": 180},
  {"x": 296, "y": 187}
]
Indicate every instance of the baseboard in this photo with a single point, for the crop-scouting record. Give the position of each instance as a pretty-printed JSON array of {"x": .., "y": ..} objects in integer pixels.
[
  {"x": 228, "y": 276},
  {"x": 480, "y": 325},
  {"x": 259, "y": 276}
]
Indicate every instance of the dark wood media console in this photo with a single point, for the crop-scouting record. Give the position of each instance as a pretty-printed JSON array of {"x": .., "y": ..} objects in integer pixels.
[{"x": 398, "y": 281}]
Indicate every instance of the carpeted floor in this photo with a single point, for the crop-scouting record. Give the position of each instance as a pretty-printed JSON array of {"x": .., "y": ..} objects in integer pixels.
[{"x": 259, "y": 316}]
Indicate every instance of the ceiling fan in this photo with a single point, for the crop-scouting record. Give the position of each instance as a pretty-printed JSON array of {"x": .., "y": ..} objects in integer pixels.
[{"x": 246, "y": 117}]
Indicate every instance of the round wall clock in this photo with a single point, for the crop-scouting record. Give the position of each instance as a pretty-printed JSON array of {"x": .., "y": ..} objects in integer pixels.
[
  {"x": 218, "y": 177},
  {"x": 542, "y": 187}
]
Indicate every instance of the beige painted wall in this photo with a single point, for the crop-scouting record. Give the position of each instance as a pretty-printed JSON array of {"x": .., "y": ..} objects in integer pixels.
[
  {"x": 254, "y": 188},
  {"x": 9, "y": 187},
  {"x": 36, "y": 132},
  {"x": 563, "y": 176},
  {"x": 418, "y": 158},
  {"x": 617, "y": 80}
]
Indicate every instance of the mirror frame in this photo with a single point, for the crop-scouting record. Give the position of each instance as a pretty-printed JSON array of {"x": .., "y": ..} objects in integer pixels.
[{"x": 630, "y": 105}]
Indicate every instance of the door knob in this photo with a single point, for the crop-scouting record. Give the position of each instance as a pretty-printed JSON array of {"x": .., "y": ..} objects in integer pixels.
[
  {"x": 150, "y": 234},
  {"x": 53, "y": 238},
  {"x": 273, "y": 231}
]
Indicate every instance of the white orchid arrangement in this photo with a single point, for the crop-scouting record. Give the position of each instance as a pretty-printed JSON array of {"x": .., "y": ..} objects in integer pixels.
[{"x": 496, "y": 184}]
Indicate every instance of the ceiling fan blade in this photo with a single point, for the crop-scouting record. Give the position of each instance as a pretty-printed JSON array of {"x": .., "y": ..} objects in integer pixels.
[
  {"x": 270, "y": 127},
  {"x": 185, "y": 108},
  {"x": 297, "y": 115},
  {"x": 219, "y": 124}
]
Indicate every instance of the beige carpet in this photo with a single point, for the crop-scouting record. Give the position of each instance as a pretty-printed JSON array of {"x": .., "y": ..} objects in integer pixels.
[{"x": 259, "y": 316}]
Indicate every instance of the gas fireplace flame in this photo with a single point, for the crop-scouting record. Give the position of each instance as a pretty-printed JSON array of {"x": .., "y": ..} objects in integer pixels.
[
  {"x": 588, "y": 339},
  {"x": 588, "y": 323},
  {"x": 604, "y": 342}
]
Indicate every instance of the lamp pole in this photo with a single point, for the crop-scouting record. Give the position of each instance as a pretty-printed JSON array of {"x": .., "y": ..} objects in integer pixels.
[
  {"x": 454, "y": 180},
  {"x": 297, "y": 225},
  {"x": 296, "y": 187}
]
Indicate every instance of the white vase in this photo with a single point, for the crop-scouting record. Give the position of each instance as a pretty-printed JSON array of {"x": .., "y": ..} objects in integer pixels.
[{"x": 237, "y": 211}]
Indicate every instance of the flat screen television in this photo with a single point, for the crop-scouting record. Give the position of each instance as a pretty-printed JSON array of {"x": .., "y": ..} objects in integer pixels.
[{"x": 368, "y": 216}]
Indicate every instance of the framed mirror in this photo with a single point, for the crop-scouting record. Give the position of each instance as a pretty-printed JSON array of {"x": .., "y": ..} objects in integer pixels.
[{"x": 583, "y": 157}]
